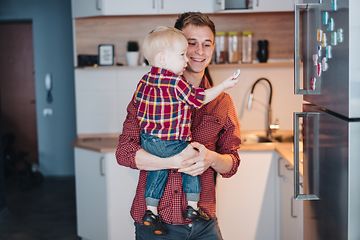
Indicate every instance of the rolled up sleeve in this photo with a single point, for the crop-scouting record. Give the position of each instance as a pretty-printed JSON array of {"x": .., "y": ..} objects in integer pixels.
[{"x": 129, "y": 139}]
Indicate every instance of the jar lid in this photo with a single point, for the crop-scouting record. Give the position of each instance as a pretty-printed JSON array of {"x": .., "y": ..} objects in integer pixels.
[
  {"x": 233, "y": 33},
  {"x": 246, "y": 33}
]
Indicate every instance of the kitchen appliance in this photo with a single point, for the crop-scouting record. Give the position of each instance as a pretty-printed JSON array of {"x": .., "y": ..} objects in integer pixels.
[{"x": 327, "y": 74}]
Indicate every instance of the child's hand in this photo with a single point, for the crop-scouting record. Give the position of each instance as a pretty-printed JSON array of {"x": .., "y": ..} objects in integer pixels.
[{"x": 232, "y": 80}]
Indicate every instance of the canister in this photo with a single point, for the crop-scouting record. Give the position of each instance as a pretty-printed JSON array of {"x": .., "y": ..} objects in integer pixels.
[
  {"x": 221, "y": 54},
  {"x": 246, "y": 56},
  {"x": 233, "y": 47}
]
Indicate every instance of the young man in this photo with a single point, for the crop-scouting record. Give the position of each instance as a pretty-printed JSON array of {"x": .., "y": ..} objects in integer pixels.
[{"x": 215, "y": 133}]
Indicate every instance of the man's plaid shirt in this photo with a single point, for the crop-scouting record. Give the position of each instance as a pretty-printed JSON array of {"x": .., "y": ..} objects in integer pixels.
[{"x": 164, "y": 101}]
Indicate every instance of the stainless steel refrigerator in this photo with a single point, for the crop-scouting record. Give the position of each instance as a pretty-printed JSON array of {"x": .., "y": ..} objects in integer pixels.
[{"x": 327, "y": 132}]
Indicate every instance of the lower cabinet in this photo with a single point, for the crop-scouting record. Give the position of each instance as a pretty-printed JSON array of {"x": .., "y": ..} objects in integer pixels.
[
  {"x": 247, "y": 203},
  {"x": 104, "y": 194},
  {"x": 257, "y": 202},
  {"x": 291, "y": 211}
]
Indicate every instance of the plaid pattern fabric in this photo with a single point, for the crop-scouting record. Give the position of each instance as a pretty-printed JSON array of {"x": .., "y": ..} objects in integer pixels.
[
  {"x": 216, "y": 126},
  {"x": 164, "y": 101}
]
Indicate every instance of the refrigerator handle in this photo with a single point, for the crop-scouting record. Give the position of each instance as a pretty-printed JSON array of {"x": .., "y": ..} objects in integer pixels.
[
  {"x": 297, "y": 194},
  {"x": 306, "y": 89},
  {"x": 297, "y": 56}
]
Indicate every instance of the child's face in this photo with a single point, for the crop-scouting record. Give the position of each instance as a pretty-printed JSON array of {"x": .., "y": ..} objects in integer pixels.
[{"x": 176, "y": 59}]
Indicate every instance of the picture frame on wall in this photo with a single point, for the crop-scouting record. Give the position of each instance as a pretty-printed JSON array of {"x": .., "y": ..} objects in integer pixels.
[{"x": 106, "y": 54}]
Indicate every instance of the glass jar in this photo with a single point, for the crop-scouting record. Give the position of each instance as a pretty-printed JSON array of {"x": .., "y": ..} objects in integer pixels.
[
  {"x": 246, "y": 47},
  {"x": 221, "y": 53},
  {"x": 233, "y": 47}
]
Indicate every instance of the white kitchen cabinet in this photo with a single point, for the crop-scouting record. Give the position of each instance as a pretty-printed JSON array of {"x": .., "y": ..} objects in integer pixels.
[
  {"x": 102, "y": 95},
  {"x": 260, "y": 6},
  {"x": 247, "y": 203},
  {"x": 291, "y": 210},
  {"x": 273, "y": 5},
  {"x": 104, "y": 193},
  {"x": 85, "y": 8}
]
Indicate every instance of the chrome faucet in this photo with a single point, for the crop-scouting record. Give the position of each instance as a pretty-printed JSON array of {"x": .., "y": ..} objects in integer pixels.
[{"x": 270, "y": 127}]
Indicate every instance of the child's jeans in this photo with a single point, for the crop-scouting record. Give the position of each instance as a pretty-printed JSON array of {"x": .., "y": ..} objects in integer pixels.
[{"x": 156, "y": 180}]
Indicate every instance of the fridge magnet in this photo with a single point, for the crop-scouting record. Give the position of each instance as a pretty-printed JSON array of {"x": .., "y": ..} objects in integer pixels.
[
  {"x": 324, "y": 64},
  {"x": 319, "y": 34},
  {"x": 315, "y": 59},
  {"x": 340, "y": 35},
  {"x": 331, "y": 25},
  {"x": 334, "y": 6},
  {"x": 318, "y": 69},
  {"x": 323, "y": 40},
  {"x": 334, "y": 38},
  {"x": 328, "y": 52},
  {"x": 312, "y": 83},
  {"x": 319, "y": 50},
  {"x": 325, "y": 18},
  {"x": 106, "y": 54}
]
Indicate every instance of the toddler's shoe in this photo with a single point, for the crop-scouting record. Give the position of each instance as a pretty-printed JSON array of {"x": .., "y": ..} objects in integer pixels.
[
  {"x": 195, "y": 215},
  {"x": 151, "y": 220}
]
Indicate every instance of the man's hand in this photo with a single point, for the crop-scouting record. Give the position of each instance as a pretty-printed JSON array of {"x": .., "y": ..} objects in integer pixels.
[{"x": 198, "y": 163}]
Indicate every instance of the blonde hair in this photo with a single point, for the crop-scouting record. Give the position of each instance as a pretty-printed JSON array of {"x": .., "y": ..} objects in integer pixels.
[{"x": 160, "y": 39}]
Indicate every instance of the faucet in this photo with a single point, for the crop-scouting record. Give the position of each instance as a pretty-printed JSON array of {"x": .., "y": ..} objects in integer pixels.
[{"x": 270, "y": 127}]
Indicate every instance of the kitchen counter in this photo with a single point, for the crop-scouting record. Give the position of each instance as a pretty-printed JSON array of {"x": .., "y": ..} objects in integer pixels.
[{"x": 107, "y": 143}]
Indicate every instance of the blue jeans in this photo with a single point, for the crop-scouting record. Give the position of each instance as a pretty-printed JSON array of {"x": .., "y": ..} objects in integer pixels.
[
  {"x": 198, "y": 230},
  {"x": 156, "y": 180}
]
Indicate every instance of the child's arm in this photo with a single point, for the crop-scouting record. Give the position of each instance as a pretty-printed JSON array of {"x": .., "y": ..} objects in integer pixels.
[{"x": 212, "y": 93}]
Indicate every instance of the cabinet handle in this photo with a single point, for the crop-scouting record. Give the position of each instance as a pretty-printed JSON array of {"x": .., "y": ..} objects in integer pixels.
[
  {"x": 289, "y": 167},
  {"x": 101, "y": 167},
  {"x": 279, "y": 168},
  {"x": 153, "y": 4},
  {"x": 257, "y": 3},
  {"x": 292, "y": 210},
  {"x": 162, "y": 4},
  {"x": 98, "y": 5}
]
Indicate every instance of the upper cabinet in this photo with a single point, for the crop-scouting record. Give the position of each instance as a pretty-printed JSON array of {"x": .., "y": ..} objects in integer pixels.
[
  {"x": 254, "y": 6},
  {"x": 90, "y": 8},
  {"x": 273, "y": 6}
]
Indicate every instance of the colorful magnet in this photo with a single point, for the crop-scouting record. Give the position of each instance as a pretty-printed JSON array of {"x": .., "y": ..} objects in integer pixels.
[
  {"x": 334, "y": 5},
  {"x": 318, "y": 69},
  {"x": 323, "y": 40},
  {"x": 324, "y": 64},
  {"x": 319, "y": 50},
  {"x": 325, "y": 18},
  {"x": 328, "y": 52},
  {"x": 340, "y": 35},
  {"x": 312, "y": 83},
  {"x": 334, "y": 38},
  {"x": 331, "y": 25},
  {"x": 315, "y": 59},
  {"x": 319, "y": 35}
]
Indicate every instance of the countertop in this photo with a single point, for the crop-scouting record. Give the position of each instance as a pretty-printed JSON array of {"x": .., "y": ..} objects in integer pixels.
[{"x": 106, "y": 143}]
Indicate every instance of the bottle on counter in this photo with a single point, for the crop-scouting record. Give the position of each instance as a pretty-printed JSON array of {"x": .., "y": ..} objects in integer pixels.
[
  {"x": 233, "y": 47},
  {"x": 246, "y": 56},
  {"x": 221, "y": 54}
]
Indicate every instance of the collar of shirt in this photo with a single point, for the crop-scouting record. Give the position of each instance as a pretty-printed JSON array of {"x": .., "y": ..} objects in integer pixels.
[{"x": 162, "y": 71}]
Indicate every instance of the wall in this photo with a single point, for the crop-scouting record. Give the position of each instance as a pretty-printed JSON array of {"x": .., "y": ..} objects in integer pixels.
[
  {"x": 53, "y": 53},
  {"x": 276, "y": 27}
]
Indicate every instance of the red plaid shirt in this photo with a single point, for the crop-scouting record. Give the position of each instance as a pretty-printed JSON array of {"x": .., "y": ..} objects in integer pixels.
[
  {"x": 216, "y": 126},
  {"x": 164, "y": 101}
]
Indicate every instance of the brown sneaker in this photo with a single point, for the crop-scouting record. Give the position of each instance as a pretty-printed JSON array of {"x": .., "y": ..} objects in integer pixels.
[
  {"x": 151, "y": 220},
  {"x": 195, "y": 215}
]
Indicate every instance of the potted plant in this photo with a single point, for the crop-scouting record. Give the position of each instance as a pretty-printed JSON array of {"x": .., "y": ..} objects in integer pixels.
[{"x": 132, "y": 53}]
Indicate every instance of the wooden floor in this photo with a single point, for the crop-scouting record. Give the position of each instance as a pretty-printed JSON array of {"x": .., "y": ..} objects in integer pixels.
[{"x": 43, "y": 212}]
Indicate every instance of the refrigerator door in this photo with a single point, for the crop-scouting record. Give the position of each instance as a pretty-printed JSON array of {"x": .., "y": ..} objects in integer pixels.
[
  {"x": 325, "y": 175},
  {"x": 327, "y": 69}
]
